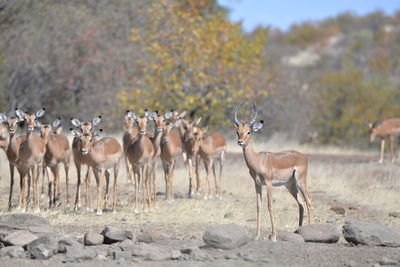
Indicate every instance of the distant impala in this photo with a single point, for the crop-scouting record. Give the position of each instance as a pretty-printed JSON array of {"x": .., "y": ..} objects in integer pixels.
[{"x": 387, "y": 129}]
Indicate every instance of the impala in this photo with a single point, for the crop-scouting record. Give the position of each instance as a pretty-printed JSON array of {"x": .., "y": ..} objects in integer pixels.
[
  {"x": 130, "y": 134},
  {"x": 288, "y": 168},
  {"x": 159, "y": 121},
  {"x": 209, "y": 147},
  {"x": 191, "y": 128},
  {"x": 387, "y": 129},
  {"x": 31, "y": 154},
  {"x": 80, "y": 159},
  {"x": 57, "y": 151},
  {"x": 140, "y": 154},
  {"x": 12, "y": 151},
  {"x": 171, "y": 147},
  {"x": 102, "y": 155}
]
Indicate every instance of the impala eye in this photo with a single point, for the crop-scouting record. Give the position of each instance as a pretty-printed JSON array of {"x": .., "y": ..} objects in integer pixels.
[
  {"x": 248, "y": 132},
  {"x": 90, "y": 140}
]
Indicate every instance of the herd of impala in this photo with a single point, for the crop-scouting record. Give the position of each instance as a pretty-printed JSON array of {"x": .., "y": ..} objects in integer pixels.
[{"x": 173, "y": 137}]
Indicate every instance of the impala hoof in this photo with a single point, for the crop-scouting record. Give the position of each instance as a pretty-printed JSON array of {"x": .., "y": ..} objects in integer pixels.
[
  {"x": 99, "y": 213},
  {"x": 36, "y": 211},
  {"x": 205, "y": 198},
  {"x": 136, "y": 211},
  {"x": 272, "y": 238}
]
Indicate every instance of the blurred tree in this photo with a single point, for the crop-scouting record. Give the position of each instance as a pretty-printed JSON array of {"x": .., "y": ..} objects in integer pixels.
[{"x": 197, "y": 61}]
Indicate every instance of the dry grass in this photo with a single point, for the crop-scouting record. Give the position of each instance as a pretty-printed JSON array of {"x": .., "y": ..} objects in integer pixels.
[{"x": 371, "y": 187}]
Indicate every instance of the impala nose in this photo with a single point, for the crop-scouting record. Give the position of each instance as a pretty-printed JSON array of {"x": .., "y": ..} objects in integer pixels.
[
  {"x": 31, "y": 129},
  {"x": 142, "y": 132},
  {"x": 84, "y": 152},
  {"x": 241, "y": 143}
]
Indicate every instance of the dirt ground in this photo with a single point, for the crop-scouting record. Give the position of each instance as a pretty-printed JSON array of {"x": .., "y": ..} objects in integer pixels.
[{"x": 356, "y": 182}]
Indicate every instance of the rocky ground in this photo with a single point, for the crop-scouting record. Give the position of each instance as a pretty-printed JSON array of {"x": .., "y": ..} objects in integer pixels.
[{"x": 345, "y": 230}]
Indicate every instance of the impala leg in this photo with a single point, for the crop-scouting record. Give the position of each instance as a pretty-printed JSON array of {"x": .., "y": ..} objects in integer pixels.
[
  {"x": 21, "y": 185},
  {"x": 42, "y": 187},
  {"x": 78, "y": 188},
  {"x": 135, "y": 176},
  {"x": 66, "y": 168},
  {"x": 170, "y": 180},
  {"x": 56, "y": 183},
  {"x": 88, "y": 182},
  {"x": 99, "y": 179},
  {"x": 11, "y": 185},
  {"x": 271, "y": 214},
  {"x": 391, "y": 144},
  {"x": 294, "y": 190},
  {"x": 23, "y": 191},
  {"x": 208, "y": 164},
  {"x": 198, "y": 182},
  {"x": 50, "y": 180},
  {"x": 259, "y": 208},
  {"x": 221, "y": 165},
  {"x": 166, "y": 168},
  {"x": 116, "y": 171},
  {"x": 215, "y": 181},
  {"x": 35, "y": 178},
  {"x": 382, "y": 150},
  {"x": 107, "y": 174},
  {"x": 29, "y": 186},
  {"x": 190, "y": 175},
  {"x": 128, "y": 169},
  {"x": 148, "y": 185},
  {"x": 303, "y": 189},
  {"x": 154, "y": 180},
  {"x": 142, "y": 172}
]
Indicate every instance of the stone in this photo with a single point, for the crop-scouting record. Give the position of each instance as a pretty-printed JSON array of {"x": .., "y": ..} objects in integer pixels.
[
  {"x": 338, "y": 210},
  {"x": 394, "y": 214},
  {"x": 44, "y": 247},
  {"x": 74, "y": 254},
  {"x": 319, "y": 233},
  {"x": 113, "y": 235},
  {"x": 34, "y": 224},
  {"x": 126, "y": 255},
  {"x": 67, "y": 241},
  {"x": 175, "y": 254},
  {"x": 92, "y": 238},
  {"x": 387, "y": 261},
  {"x": 126, "y": 245},
  {"x": 291, "y": 237},
  {"x": 13, "y": 252},
  {"x": 195, "y": 253},
  {"x": 150, "y": 237},
  {"x": 19, "y": 238},
  {"x": 368, "y": 233},
  {"x": 150, "y": 252},
  {"x": 225, "y": 236}
]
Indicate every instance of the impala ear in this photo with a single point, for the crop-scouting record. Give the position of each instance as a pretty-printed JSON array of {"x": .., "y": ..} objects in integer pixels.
[
  {"x": 3, "y": 117},
  {"x": 168, "y": 115},
  {"x": 197, "y": 122},
  {"x": 97, "y": 133},
  {"x": 20, "y": 114},
  {"x": 177, "y": 123},
  {"x": 183, "y": 114},
  {"x": 96, "y": 120},
  {"x": 152, "y": 116},
  {"x": 146, "y": 113},
  {"x": 131, "y": 115},
  {"x": 40, "y": 113},
  {"x": 370, "y": 125},
  {"x": 205, "y": 129},
  {"x": 56, "y": 123},
  {"x": 74, "y": 132},
  {"x": 75, "y": 122},
  {"x": 257, "y": 126},
  {"x": 38, "y": 124}
]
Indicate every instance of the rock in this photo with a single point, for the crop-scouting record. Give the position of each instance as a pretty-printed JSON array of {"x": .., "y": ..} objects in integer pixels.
[
  {"x": 291, "y": 237},
  {"x": 338, "y": 210},
  {"x": 367, "y": 233},
  {"x": 13, "y": 252},
  {"x": 231, "y": 256},
  {"x": 92, "y": 238},
  {"x": 175, "y": 254},
  {"x": 113, "y": 235},
  {"x": 320, "y": 233},
  {"x": 126, "y": 245},
  {"x": 387, "y": 261},
  {"x": 228, "y": 215},
  {"x": 19, "y": 238},
  {"x": 126, "y": 255},
  {"x": 34, "y": 224},
  {"x": 150, "y": 252},
  {"x": 67, "y": 241},
  {"x": 151, "y": 237},
  {"x": 79, "y": 254},
  {"x": 195, "y": 253},
  {"x": 225, "y": 236},
  {"x": 394, "y": 214},
  {"x": 44, "y": 247}
]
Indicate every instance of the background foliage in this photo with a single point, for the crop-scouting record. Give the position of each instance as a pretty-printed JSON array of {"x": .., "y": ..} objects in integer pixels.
[{"x": 318, "y": 82}]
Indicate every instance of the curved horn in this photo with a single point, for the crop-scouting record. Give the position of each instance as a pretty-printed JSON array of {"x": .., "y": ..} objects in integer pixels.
[
  {"x": 253, "y": 120},
  {"x": 234, "y": 118}
]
